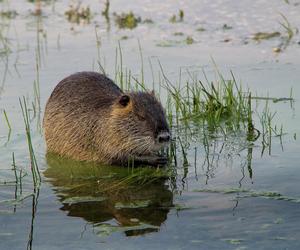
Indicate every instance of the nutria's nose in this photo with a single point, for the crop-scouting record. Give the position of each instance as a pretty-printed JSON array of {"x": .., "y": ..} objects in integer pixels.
[{"x": 163, "y": 137}]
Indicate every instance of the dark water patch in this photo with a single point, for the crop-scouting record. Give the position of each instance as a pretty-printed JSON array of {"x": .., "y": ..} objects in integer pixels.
[{"x": 134, "y": 198}]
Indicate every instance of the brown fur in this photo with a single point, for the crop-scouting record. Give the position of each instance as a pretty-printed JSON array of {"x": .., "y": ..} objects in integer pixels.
[{"x": 85, "y": 119}]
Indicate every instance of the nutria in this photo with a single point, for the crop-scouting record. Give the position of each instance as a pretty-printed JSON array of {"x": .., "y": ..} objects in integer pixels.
[{"x": 89, "y": 118}]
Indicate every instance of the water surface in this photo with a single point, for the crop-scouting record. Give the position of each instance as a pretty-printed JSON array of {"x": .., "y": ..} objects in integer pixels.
[{"x": 230, "y": 195}]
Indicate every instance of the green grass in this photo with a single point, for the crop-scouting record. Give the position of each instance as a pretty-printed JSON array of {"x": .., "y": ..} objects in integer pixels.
[
  {"x": 105, "y": 12},
  {"x": 36, "y": 176},
  {"x": 127, "y": 20},
  {"x": 7, "y": 121},
  {"x": 177, "y": 18},
  {"x": 8, "y": 126},
  {"x": 202, "y": 108},
  {"x": 222, "y": 105},
  {"x": 287, "y": 27}
]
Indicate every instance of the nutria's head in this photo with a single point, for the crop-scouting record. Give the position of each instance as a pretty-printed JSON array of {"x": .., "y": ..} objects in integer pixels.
[{"x": 139, "y": 120}]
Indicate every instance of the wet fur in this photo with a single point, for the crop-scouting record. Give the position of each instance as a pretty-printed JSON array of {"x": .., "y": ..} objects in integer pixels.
[{"x": 85, "y": 121}]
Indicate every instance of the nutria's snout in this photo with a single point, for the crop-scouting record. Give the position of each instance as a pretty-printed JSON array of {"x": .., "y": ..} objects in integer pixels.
[{"x": 164, "y": 137}]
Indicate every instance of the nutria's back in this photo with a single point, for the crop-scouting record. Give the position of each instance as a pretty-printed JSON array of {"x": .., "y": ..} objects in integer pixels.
[
  {"x": 88, "y": 117},
  {"x": 84, "y": 89}
]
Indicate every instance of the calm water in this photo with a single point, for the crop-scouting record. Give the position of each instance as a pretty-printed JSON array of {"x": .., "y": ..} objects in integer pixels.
[{"x": 227, "y": 197}]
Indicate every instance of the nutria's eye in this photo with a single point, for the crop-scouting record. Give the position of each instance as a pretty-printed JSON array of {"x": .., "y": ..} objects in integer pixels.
[{"x": 124, "y": 100}]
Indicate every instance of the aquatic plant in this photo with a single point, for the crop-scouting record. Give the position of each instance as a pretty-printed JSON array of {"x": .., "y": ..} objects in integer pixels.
[
  {"x": 77, "y": 14},
  {"x": 105, "y": 12},
  {"x": 176, "y": 19},
  {"x": 9, "y": 14},
  {"x": 265, "y": 35},
  {"x": 226, "y": 27},
  {"x": 7, "y": 121},
  {"x": 189, "y": 40},
  {"x": 287, "y": 27},
  {"x": 127, "y": 20},
  {"x": 220, "y": 105},
  {"x": 36, "y": 176}
]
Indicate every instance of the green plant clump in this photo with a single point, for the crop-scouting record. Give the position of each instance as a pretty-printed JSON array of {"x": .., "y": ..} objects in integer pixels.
[
  {"x": 127, "y": 20},
  {"x": 189, "y": 40},
  {"x": 221, "y": 105}
]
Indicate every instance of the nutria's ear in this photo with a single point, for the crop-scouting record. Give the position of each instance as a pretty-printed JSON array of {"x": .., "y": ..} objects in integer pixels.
[
  {"x": 152, "y": 92},
  {"x": 124, "y": 100}
]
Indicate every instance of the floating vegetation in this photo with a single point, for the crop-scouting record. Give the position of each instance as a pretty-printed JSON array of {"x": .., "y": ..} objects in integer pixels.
[
  {"x": 234, "y": 241},
  {"x": 9, "y": 14},
  {"x": 226, "y": 27},
  {"x": 200, "y": 29},
  {"x": 265, "y": 35},
  {"x": 189, "y": 40},
  {"x": 273, "y": 99},
  {"x": 172, "y": 43},
  {"x": 248, "y": 193},
  {"x": 78, "y": 14},
  {"x": 286, "y": 37},
  {"x": 76, "y": 200},
  {"x": 178, "y": 33},
  {"x": 278, "y": 221},
  {"x": 176, "y": 19},
  {"x": 127, "y": 20},
  {"x": 168, "y": 43},
  {"x": 133, "y": 204}
]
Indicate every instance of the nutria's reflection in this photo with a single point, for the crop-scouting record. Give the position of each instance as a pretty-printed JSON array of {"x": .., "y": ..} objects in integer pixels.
[{"x": 138, "y": 199}]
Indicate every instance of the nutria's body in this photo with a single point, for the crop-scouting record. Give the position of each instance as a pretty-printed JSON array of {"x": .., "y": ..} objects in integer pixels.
[{"x": 89, "y": 118}]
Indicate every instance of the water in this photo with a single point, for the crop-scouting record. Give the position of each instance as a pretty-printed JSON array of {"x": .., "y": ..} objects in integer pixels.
[{"x": 226, "y": 198}]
